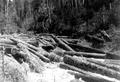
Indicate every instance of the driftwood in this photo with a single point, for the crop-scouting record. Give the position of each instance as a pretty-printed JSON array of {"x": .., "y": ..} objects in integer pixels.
[
  {"x": 85, "y": 54},
  {"x": 87, "y": 76},
  {"x": 88, "y": 66}
]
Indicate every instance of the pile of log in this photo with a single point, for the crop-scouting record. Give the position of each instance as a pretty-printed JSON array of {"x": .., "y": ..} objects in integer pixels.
[{"x": 90, "y": 64}]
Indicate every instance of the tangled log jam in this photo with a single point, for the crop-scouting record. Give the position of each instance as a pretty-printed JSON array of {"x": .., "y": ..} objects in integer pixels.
[{"x": 22, "y": 55}]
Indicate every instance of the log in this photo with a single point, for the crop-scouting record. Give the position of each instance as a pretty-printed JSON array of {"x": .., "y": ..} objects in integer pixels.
[
  {"x": 27, "y": 44},
  {"x": 85, "y": 49},
  {"x": 7, "y": 41},
  {"x": 106, "y": 36},
  {"x": 34, "y": 61},
  {"x": 87, "y": 76},
  {"x": 82, "y": 48},
  {"x": 62, "y": 36},
  {"x": 61, "y": 44},
  {"x": 33, "y": 49},
  {"x": 111, "y": 61},
  {"x": 112, "y": 56},
  {"x": 54, "y": 58},
  {"x": 85, "y": 54},
  {"x": 41, "y": 56},
  {"x": 93, "y": 39},
  {"x": 88, "y": 66},
  {"x": 110, "y": 66},
  {"x": 71, "y": 40}
]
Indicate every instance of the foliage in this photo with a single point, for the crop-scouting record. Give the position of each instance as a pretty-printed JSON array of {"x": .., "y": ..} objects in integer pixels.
[{"x": 63, "y": 17}]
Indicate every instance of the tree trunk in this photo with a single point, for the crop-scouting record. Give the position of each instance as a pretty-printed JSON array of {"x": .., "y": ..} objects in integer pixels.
[{"x": 88, "y": 66}]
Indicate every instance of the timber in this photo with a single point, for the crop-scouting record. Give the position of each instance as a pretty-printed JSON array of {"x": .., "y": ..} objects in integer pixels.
[
  {"x": 62, "y": 44},
  {"x": 88, "y": 66},
  {"x": 85, "y": 54},
  {"x": 85, "y": 49},
  {"x": 87, "y": 76},
  {"x": 111, "y": 66}
]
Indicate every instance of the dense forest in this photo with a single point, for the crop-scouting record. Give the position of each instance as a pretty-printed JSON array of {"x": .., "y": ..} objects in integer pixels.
[
  {"x": 76, "y": 18},
  {"x": 56, "y": 16}
]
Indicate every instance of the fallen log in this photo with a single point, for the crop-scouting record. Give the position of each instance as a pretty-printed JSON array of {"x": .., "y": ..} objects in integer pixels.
[
  {"x": 111, "y": 61},
  {"x": 112, "y": 56},
  {"x": 54, "y": 58},
  {"x": 85, "y": 54},
  {"x": 7, "y": 41},
  {"x": 93, "y": 39},
  {"x": 33, "y": 49},
  {"x": 106, "y": 36},
  {"x": 62, "y": 36},
  {"x": 74, "y": 41},
  {"x": 61, "y": 44},
  {"x": 82, "y": 48},
  {"x": 110, "y": 66},
  {"x": 41, "y": 56},
  {"x": 27, "y": 44},
  {"x": 88, "y": 66},
  {"x": 87, "y": 76},
  {"x": 34, "y": 61}
]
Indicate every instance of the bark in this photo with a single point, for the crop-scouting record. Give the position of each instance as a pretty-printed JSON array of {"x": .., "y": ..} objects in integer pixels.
[
  {"x": 79, "y": 47},
  {"x": 88, "y": 66},
  {"x": 110, "y": 66},
  {"x": 41, "y": 56},
  {"x": 61, "y": 44},
  {"x": 85, "y": 54},
  {"x": 87, "y": 76}
]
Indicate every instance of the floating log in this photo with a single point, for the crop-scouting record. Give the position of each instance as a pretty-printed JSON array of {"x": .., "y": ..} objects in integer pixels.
[
  {"x": 88, "y": 66},
  {"x": 87, "y": 76},
  {"x": 85, "y": 54}
]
